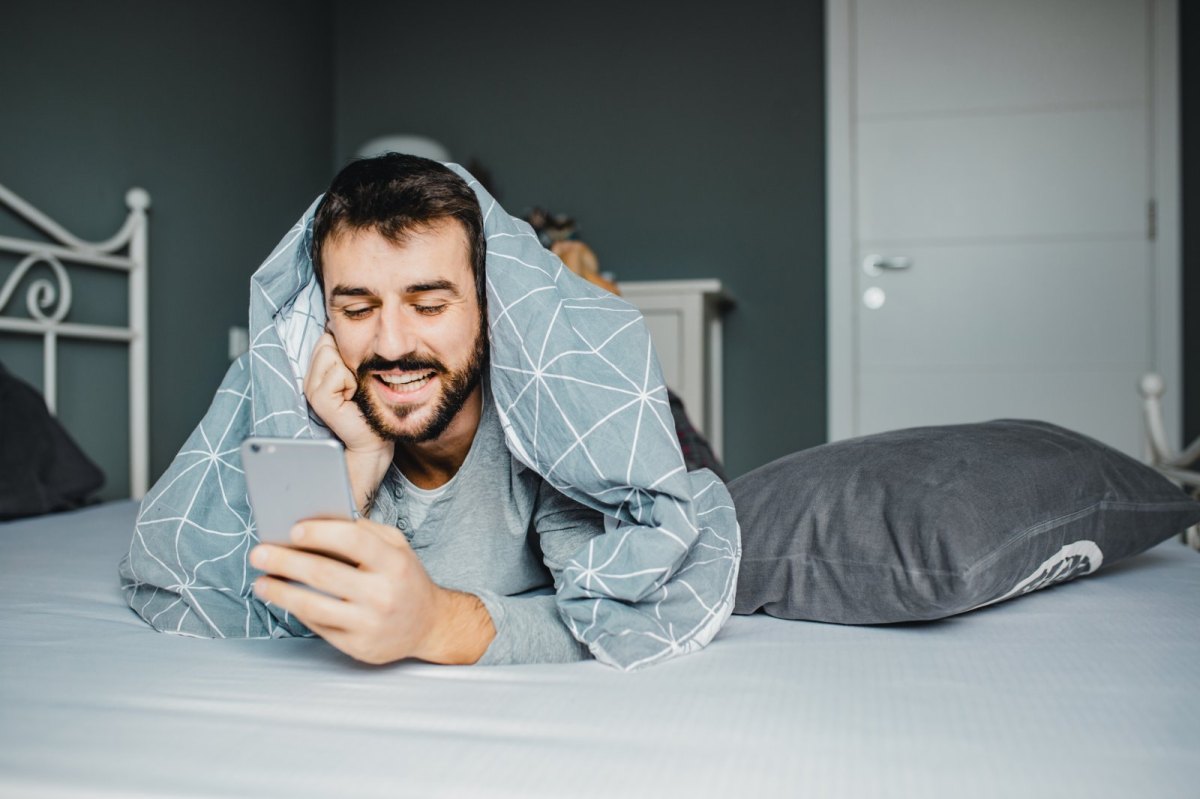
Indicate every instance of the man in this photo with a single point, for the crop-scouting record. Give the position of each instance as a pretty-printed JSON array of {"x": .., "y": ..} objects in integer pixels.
[
  {"x": 399, "y": 253},
  {"x": 482, "y": 449}
]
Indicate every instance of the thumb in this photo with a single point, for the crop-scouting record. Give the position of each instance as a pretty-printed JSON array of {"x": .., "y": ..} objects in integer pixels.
[
  {"x": 388, "y": 535},
  {"x": 349, "y": 386}
]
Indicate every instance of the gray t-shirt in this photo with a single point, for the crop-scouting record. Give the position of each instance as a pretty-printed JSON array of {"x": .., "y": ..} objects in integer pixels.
[{"x": 497, "y": 530}]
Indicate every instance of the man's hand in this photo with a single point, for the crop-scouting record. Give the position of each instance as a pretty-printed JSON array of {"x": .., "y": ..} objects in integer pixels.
[
  {"x": 329, "y": 387},
  {"x": 384, "y": 607}
]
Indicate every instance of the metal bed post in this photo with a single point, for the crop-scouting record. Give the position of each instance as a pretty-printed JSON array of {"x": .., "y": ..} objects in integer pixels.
[
  {"x": 48, "y": 303},
  {"x": 138, "y": 201}
]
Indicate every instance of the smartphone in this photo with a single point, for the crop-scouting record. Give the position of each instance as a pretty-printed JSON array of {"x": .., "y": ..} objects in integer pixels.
[{"x": 291, "y": 479}]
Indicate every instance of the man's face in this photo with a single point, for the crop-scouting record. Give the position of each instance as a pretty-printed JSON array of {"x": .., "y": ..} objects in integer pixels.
[{"x": 407, "y": 322}]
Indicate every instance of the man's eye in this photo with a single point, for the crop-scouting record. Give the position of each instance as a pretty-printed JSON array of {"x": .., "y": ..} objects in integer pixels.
[
  {"x": 429, "y": 310},
  {"x": 355, "y": 313}
]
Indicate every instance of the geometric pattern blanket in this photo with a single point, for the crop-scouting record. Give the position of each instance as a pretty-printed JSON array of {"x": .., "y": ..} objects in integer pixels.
[{"x": 581, "y": 399}]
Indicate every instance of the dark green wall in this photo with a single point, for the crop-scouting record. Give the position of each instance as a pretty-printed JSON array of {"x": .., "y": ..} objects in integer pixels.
[
  {"x": 687, "y": 143},
  {"x": 221, "y": 110},
  {"x": 1189, "y": 94}
]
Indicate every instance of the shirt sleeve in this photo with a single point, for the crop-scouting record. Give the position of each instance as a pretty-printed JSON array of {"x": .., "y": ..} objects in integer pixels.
[{"x": 529, "y": 629}]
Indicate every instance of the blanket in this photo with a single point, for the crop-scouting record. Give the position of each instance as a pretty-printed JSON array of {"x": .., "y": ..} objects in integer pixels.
[{"x": 581, "y": 399}]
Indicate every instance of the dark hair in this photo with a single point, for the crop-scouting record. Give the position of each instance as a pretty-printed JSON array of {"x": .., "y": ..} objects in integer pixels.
[{"x": 394, "y": 195}]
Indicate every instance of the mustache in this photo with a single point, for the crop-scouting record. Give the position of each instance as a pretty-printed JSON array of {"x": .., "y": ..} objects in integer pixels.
[{"x": 409, "y": 363}]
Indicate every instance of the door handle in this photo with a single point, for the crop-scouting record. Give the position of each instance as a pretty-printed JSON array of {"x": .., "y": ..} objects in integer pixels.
[{"x": 876, "y": 265}]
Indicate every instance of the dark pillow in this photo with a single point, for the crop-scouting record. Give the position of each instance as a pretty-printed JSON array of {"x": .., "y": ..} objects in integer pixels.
[
  {"x": 927, "y": 522},
  {"x": 42, "y": 470}
]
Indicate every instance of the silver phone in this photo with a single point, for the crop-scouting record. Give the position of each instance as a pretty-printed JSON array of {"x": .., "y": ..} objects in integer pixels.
[{"x": 290, "y": 480}]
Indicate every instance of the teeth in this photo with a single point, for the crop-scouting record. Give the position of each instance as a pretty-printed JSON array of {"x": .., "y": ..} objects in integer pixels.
[{"x": 408, "y": 381}]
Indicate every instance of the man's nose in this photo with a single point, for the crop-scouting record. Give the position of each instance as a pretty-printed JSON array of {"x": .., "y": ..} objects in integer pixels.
[{"x": 394, "y": 337}]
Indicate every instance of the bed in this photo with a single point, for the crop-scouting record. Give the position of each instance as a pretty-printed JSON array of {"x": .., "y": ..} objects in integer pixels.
[
  {"x": 1087, "y": 689},
  {"x": 1083, "y": 689}
]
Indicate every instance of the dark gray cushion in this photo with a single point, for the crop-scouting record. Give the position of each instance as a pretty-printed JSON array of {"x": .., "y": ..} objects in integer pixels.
[
  {"x": 927, "y": 522},
  {"x": 42, "y": 469}
]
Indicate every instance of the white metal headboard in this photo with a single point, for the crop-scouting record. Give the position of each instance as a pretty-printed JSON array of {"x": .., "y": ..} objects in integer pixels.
[{"x": 49, "y": 303}]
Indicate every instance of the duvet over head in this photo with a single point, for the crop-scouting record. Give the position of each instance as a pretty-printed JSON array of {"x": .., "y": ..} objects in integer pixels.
[{"x": 580, "y": 395}]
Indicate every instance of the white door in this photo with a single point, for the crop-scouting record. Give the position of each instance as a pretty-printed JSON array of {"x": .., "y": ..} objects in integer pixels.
[{"x": 1001, "y": 240}]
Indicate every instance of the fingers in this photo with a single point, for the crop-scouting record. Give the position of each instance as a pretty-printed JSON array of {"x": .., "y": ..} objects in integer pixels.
[
  {"x": 329, "y": 387},
  {"x": 350, "y": 643},
  {"x": 328, "y": 374},
  {"x": 313, "y": 569},
  {"x": 327, "y": 368},
  {"x": 390, "y": 604},
  {"x": 325, "y": 347},
  {"x": 335, "y": 636},
  {"x": 388, "y": 535},
  {"x": 308, "y": 606},
  {"x": 369, "y": 545}
]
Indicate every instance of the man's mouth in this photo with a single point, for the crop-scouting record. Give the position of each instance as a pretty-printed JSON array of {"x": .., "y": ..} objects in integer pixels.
[{"x": 408, "y": 383}]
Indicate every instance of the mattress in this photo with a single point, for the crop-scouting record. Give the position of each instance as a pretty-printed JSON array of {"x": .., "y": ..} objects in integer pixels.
[{"x": 1085, "y": 689}]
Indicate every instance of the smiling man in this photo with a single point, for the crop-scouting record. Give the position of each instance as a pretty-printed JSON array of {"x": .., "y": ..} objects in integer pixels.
[
  {"x": 521, "y": 493},
  {"x": 452, "y": 526}
]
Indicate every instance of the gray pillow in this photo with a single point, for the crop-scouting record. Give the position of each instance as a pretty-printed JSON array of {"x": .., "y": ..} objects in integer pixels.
[{"x": 927, "y": 522}]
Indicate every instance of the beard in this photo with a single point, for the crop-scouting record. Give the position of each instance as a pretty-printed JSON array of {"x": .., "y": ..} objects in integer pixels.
[{"x": 456, "y": 388}]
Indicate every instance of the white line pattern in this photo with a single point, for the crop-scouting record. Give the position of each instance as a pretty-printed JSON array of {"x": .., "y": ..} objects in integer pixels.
[{"x": 592, "y": 419}]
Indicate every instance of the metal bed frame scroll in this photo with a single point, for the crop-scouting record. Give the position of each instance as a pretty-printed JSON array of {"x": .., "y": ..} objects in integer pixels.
[{"x": 48, "y": 302}]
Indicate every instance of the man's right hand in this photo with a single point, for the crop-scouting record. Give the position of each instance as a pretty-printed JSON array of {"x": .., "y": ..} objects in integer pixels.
[{"x": 329, "y": 387}]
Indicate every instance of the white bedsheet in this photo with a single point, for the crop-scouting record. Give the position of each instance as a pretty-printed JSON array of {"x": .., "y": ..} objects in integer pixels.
[{"x": 1088, "y": 689}]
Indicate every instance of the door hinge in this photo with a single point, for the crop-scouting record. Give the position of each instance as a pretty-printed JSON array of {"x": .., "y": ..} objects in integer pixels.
[{"x": 1151, "y": 220}]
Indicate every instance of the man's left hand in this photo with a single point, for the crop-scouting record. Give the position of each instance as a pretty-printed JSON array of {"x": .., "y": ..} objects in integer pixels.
[{"x": 383, "y": 606}]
